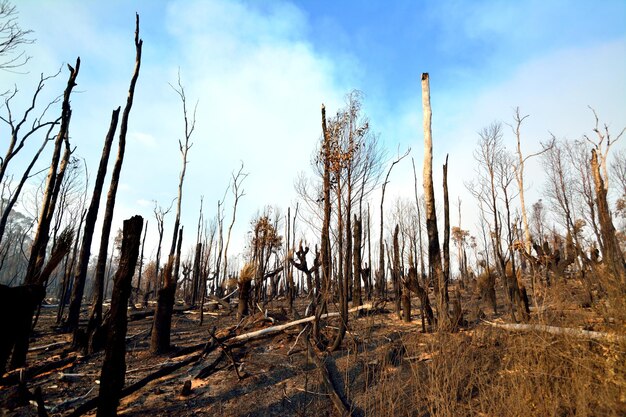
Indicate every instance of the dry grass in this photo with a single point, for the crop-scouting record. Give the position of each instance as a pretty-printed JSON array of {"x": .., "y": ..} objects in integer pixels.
[{"x": 488, "y": 371}]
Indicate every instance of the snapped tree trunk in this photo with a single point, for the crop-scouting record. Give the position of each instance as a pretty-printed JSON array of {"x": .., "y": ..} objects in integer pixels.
[
  {"x": 95, "y": 315},
  {"x": 71, "y": 324},
  {"x": 613, "y": 257},
  {"x": 114, "y": 364}
]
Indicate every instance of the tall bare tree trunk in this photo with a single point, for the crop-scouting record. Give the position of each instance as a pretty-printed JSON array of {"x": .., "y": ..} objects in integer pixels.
[
  {"x": 36, "y": 274},
  {"x": 95, "y": 315},
  {"x": 114, "y": 364},
  {"x": 357, "y": 298},
  {"x": 434, "y": 252},
  {"x": 71, "y": 323},
  {"x": 325, "y": 255}
]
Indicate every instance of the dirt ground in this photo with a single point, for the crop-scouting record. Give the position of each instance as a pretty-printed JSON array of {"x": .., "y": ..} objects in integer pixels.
[{"x": 272, "y": 376}]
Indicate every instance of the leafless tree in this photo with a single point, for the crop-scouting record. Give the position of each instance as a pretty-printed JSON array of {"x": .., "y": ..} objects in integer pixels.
[
  {"x": 95, "y": 315},
  {"x": 12, "y": 37},
  {"x": 160, "y": 341},
  {"x": 238, "y": 192},
  {"x": 434, "y": 252},
  {"x": 602, "y": 145},
  {"x": 519, "y": 170}
]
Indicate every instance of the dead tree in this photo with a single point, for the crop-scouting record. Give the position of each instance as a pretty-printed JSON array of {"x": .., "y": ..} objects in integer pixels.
[
  {"x": 20, "y": 134},
  {"x": 380, "y": 274},
  {"x": 18, "y": 305},
  {"x": 613, "y": 257},
  {"x": 519, "y": 172},
  {"x": 95, "y": 315},
  {"x": 160, "y": 341},
  {"x": 36, "y": 274},
  {"x": 446, "y": 232},
  {"x": 140, "y": 272},
  {"x": 12, "y": 36},
  {"x": 197, "y": 261},
  {"x": 434, "y": 252},
  {"x": 238, "y": 192},
  {"x": 53, "y": 182},
  {"x": 159, "y": 215},
  {"x": 395, "y": 271},
  {"x": 78, "y": 288},
  {"x": 357, "y": 298},
  {"x": 114, "y": 364}
]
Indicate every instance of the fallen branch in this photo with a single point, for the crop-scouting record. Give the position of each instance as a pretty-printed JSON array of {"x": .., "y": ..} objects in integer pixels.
[
  {"x": 340, "y": 401},
  {"x": 67, "y": 403},
  {"x": 130, "y": 389},
  {"x": 561, "y": 331}
]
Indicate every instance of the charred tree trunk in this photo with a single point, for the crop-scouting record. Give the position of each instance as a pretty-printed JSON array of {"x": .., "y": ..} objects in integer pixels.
[
  {"x": 434, "y": 253},
  {"x": 162, "y": 324},
  {"x": 412, "y": 283},
  {"x": 36, "y": 274},
  {"x": 396, "y": 272},
  {"x": 71, "y": 324},
  {"x": 95, "y": 315},
  {"x": 114, "y": 364},
  {"x": 18, "y": 305},
  {"x": 446, "y": 232},
  {"x": 357, "y": 299},
  {"x": 53, "y": 184},
  {"x": 325, "y": 256},
  {"x": 140, "y": 272}
]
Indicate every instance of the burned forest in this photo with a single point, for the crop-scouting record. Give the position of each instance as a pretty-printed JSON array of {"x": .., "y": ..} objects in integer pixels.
[{"x": 153, "y": 262}]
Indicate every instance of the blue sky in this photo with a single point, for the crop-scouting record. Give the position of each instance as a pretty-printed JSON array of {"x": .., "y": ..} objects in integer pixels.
[{"x": 261, "y": 69}]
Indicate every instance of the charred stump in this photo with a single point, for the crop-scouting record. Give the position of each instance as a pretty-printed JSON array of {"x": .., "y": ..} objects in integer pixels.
[{"x": 114, "y": 365}]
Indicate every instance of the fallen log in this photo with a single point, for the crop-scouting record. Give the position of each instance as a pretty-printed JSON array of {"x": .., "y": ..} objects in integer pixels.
[
  {"x": 221, "y": 301},
  {"x": 48, "y": 346},
  {"x": 560, "y": 331},
  {"x": 275, "y": 329},
  {"x": 13, "y": 377}
]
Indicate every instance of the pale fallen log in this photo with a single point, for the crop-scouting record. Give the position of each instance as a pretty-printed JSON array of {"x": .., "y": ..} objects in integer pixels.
[
  {"x": 275, "y": 329},
  {"x": 561, "y": 331},
  {"x": 47, "y": 347}
]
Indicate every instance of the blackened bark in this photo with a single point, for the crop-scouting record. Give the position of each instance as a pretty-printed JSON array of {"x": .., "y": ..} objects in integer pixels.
[
  {"x": 413, "y": 284},
  {"x": 162, "y": 324},
  {"x": 53, "y": 183},
  {"x": 78, "y": 288},
  {"x": 446, "y": 232},
  {"x": 357, "y": 299},
  {"x": 114, "y": 365},
  {"x": 95, "y": 315},
  {"x": 396, "y": 272}
]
